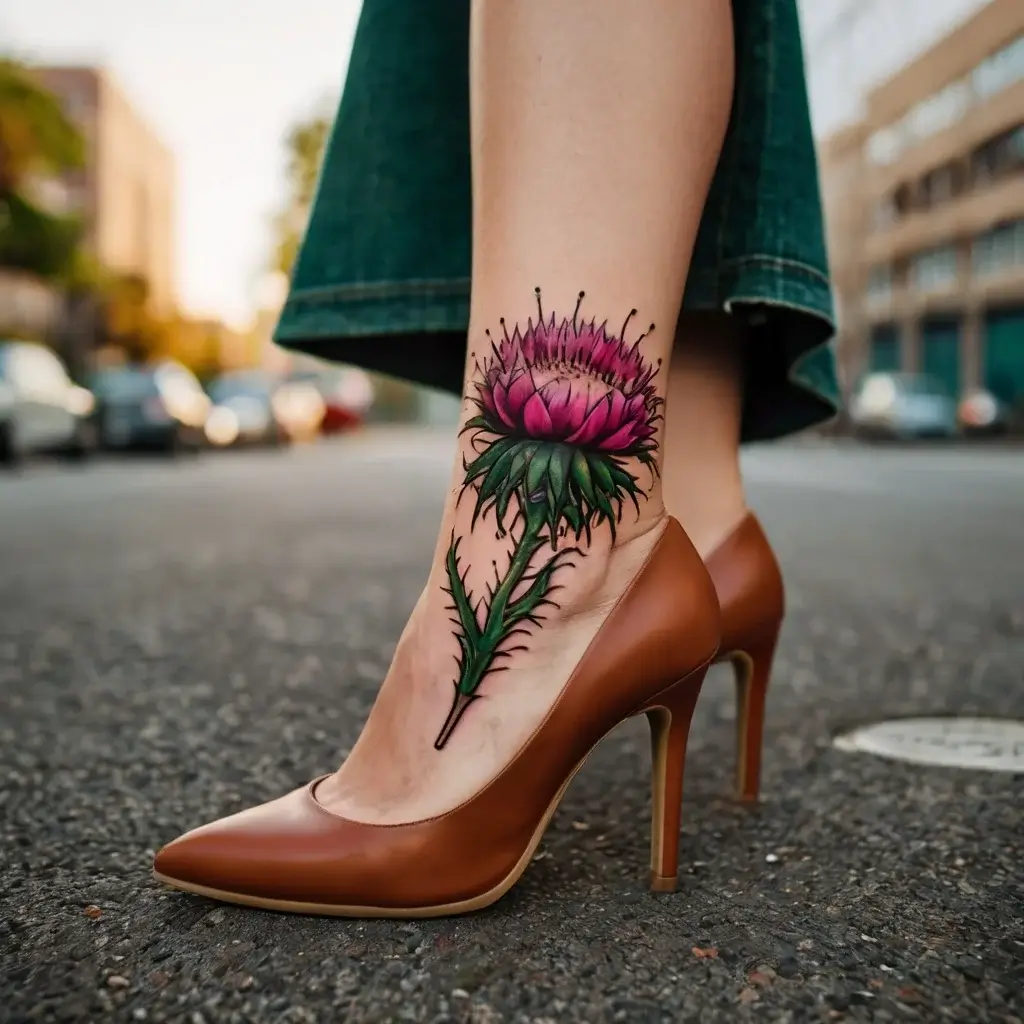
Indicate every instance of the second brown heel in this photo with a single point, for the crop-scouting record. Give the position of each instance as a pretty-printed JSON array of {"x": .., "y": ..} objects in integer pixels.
[
  {"x": 753, "y": 668},
  {"x": 669, "y": 716}
]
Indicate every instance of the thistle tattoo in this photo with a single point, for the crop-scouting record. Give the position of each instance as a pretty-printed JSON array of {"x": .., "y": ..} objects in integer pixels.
[{"x": 563, "y": 410}]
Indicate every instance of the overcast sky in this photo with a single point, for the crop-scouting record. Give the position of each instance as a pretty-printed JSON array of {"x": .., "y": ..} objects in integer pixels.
[{"x": 222, "y": 80}]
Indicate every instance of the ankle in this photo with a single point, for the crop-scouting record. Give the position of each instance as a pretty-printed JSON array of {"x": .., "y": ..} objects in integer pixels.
[{"x": 709, "y": 514}]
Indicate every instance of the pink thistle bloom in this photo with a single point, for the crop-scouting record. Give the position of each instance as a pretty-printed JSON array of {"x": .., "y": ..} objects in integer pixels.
[{"x": 573, "y": 384}]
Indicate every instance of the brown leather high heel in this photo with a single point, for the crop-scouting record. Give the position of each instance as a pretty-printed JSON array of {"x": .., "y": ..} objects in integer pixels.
[
  {"x": 669, "y": 716},
  {"x": 293, "y": 854},
  {"x": 750, "y": 593}
]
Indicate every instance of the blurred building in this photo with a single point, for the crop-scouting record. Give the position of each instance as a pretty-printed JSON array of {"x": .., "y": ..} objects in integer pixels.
[
  {"x": 210, "y": 346},
  {"x": 126, "y": 191},
  {"x": 924, "y": 201},
  {"x": 230, "y": 349}
]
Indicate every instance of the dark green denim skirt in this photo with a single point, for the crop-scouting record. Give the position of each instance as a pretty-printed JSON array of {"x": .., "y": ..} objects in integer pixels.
[{"x": 382, "y": 279}]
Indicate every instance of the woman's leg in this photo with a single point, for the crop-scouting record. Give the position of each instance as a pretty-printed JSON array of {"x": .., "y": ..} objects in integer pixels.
[
  {"x": 596, "y": 129},
  {"x": 701, "y": 481}
]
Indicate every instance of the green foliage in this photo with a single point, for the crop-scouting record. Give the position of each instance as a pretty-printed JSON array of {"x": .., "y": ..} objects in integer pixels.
[
  {"x": 35, "y": 135},
  {"x": 37, "y": 242},
  {"x": 578, "y": 488},
  {"x": 507, "y": 609},
  {"x": 305, "y": 146},
  {"x": 557, "y": 488},
  {"x": 36, "y": 139}
]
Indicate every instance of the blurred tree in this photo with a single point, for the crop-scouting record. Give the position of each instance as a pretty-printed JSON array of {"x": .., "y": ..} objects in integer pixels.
[
  {"x": 36, "y": 140},
  {"x": 305, "y": 145},
  {"x": 35, "y": 135},
  {"x": 35, "y": 241},
  {"x": 129, "y": 324}
]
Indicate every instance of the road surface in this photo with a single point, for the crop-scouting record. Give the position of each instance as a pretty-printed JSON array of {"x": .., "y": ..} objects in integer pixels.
[{"x": 180, "y": 640}]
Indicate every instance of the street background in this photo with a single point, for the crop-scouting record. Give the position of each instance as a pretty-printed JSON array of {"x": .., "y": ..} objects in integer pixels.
[
  {"x": 186, "y": 634},
  {"x": 180, "y": 641}
]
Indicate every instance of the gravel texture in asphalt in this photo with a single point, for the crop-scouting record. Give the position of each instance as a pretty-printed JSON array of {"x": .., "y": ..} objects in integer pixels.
[{"x": 178, "y": 641}]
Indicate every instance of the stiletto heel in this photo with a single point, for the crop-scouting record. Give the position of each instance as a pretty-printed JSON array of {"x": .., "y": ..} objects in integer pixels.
[
  {"x": 752, "y": 599},
  {"x": 753, "y": 667},
  {"x": 669, "y": 716}
]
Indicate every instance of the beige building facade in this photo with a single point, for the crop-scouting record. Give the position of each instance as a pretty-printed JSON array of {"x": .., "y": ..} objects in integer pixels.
[
  {"x": 127, "y": 189},
  {"x": 924, "y": 203}
]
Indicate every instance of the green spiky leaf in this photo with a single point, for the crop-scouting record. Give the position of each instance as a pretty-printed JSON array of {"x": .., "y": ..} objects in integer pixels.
[
  {"x": 602, "y": 475},
  {"x": 498, "y": 473},
  {"x": 582, "y": 478},
  {"x": 558, "y": 470},
  {"x": 537, "y": 471},
  {"x": 574, "y": 518},
  {"x": 537, "y": 593},
  {"x": 457, "y": 589},
  {"x": 485, "y": 460}
]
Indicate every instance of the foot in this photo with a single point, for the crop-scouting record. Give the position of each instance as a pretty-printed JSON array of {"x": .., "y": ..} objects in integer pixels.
[
  {"x": 395, "y": 773},
  {"x": 556, "y": 508}
]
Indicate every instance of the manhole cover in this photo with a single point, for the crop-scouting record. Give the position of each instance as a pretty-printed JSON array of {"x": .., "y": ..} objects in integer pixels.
[{"x": 986, "y": 743}]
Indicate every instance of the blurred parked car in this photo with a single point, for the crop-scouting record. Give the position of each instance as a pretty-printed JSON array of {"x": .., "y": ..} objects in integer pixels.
[
  {"x": 252, "y": 407},
  {"x": 902, "y": 406},
  {"x": 347, "y": 393},
  {"x": 981, "y": 414},
  {"x": 299, "y": 409},
  {"x": 41, "y": 408},
  {"x": 243, "y": 410},
  {"x": 158, "y": 406}
]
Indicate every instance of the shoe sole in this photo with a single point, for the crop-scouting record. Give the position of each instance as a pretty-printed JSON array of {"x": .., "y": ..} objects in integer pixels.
[{"x": 337, "y": 910}]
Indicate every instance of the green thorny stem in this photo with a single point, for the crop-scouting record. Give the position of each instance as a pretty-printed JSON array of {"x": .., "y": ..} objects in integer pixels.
[{"x": 480, "y": 646}]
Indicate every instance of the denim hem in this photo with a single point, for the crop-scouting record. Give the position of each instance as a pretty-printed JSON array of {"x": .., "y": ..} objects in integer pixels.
[
  {"x": 761, "y": 280},
  {"x": 365, "y": 309},
  {"x": 418, "y": 328},
  {"x": 375, "y": 308}
]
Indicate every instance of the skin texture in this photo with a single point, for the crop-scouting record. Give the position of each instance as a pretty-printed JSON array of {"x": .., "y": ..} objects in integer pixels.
[
  {"x": 701, "y": 480},
  {"x": 596, "y": 128}
]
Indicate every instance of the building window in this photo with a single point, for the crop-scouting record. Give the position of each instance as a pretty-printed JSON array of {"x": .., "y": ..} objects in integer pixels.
[
  {"x": 884, "y": 354},
  {"x": 938, "y": 112},
  {"x": 939, "y": 185},
  {"x": 999, "y": 156},
  {"x": 886, "y": 145},
  {"x": 935, "y": 269},
  {"x": 1001, "y": 70},
  {"x": 895, "y": 205},
  {"x": 880, "y": 284},
  {"x": 998, "y": 250},
  {"x": 885, "y": 212},
  {"x": 949, "y": 105}
]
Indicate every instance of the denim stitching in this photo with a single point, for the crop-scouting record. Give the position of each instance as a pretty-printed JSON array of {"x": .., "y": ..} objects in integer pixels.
[
  {"x": 778, "y": 263},
  {"x": 426, "y": 288}
]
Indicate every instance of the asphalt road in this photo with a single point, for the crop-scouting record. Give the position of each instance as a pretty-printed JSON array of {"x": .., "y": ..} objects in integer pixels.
[{"x": 181, "y": 640}]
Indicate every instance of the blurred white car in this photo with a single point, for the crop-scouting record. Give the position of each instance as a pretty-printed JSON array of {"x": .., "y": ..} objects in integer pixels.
[
  {"x": 903, "y": 406},
  {"x": 41, "y": 407}
]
